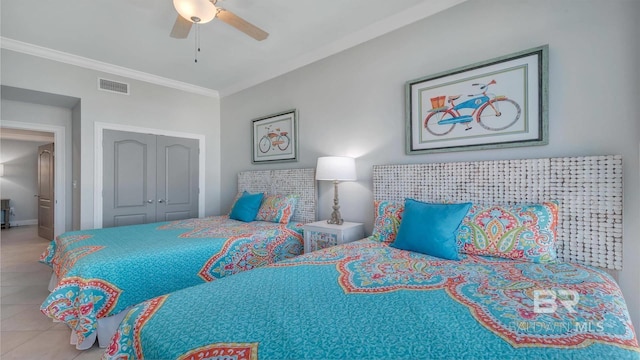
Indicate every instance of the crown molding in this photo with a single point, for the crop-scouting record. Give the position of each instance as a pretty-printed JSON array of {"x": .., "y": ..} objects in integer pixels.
[{"x": 59, "y": 56}]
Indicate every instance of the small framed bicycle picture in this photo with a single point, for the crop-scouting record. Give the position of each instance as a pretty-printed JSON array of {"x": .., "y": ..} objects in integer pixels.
[
  {"x": 275, "y": 138},
  {"x": 496, "y": 103}
]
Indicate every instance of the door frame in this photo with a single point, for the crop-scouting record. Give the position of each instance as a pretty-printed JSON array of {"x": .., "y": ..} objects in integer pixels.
[
  {"x": 98, "y": 161},
  {"x": 60, "y": 176}
]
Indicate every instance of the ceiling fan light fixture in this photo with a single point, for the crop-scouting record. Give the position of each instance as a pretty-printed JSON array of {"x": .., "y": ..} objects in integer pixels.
[{"x": 196, "y": 11}]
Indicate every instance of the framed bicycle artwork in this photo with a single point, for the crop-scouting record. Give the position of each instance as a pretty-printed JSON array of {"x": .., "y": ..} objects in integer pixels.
[
  {"x": 275, "y": 138},
  {"x": 496, "y": 103}
]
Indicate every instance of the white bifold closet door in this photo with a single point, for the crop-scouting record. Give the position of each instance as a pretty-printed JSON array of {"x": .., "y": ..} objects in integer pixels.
[{"x": 148, "y": 178}]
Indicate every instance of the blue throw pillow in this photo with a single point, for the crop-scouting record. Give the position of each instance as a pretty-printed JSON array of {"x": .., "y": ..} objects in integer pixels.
[
  {"x": 246, "y": 207},
  {"x": 431, "y": 228}
]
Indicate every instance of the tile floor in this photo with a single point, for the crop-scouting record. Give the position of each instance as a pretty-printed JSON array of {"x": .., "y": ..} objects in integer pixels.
[{"x": 27, "y": 333}]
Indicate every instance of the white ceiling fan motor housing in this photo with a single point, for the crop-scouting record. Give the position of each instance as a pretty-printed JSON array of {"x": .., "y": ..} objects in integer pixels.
[{"x": 196, "y": 11}]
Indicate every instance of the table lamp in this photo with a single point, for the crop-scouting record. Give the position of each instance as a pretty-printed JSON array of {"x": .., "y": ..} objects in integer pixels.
[{"x": 336, "y": 169}]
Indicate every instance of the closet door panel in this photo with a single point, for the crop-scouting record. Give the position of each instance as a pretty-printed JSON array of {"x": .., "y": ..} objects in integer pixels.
[
  {"x": 129, "y": 179},
  {"x": 177, "y": 178}
]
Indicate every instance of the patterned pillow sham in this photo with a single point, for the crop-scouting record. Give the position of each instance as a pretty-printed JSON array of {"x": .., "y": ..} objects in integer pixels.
[
  {"x": 388, "y": 215},
  {"x": 277, "y": 208},
  {"x": 520, "y": 232}
]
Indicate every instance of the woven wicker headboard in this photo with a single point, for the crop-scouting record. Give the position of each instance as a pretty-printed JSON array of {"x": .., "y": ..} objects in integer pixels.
[
  {"x": 291, "y": 181},
  {"x": 589, "y": 190}
]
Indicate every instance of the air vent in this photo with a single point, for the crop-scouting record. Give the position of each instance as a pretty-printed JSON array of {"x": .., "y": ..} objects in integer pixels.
[{"x": 113, "y": 86}]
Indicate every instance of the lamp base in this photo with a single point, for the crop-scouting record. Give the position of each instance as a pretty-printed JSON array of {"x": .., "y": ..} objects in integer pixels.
[{"x": 336, "y": 218}]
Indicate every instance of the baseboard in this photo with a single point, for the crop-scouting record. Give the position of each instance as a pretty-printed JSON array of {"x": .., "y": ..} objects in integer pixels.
[{"x": 15, "y": 223}]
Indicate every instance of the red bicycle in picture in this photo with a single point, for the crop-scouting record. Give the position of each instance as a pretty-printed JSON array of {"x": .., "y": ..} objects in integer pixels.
[
  {"x": 490, "y": 111},
  {"x": 273, "y": 139}
]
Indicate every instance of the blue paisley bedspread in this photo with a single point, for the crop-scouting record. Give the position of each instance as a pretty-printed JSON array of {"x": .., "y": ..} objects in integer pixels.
[
  {"x": 103, "y": 272},
  {"x": 366, "y": 300}
]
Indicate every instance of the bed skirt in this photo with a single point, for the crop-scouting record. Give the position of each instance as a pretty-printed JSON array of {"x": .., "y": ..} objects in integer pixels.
[{"x": 106, "y": 326}]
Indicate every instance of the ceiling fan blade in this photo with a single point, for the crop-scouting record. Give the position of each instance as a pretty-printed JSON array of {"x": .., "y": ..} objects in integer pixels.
[
  {"x": 181, "y": 28},
  {"x": 242, "y": 25}
]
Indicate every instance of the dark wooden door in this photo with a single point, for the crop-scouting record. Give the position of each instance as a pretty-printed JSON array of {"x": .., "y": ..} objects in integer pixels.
[{"x": 46, "y": 200}]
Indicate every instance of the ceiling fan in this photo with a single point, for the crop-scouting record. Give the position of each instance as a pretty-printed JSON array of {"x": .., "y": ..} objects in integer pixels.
[{"x": 202, "y": 11}]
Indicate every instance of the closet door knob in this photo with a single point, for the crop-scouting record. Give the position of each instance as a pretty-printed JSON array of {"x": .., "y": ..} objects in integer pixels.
[
  {"x": 160, "y": 201},
  {"x": 150, "y": 201}
]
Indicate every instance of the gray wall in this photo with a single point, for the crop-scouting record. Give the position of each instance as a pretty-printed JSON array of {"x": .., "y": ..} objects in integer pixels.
[
  {"x": 20, "y": 180},
  {"x": 148, "y": 106},
  {"x": 353, "y": 102}
]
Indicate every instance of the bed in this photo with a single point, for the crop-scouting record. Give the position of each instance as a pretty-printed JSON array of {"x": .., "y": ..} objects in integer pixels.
[
  {"x": 371, "y": 300},
  {"x": 99, "y": 274}
]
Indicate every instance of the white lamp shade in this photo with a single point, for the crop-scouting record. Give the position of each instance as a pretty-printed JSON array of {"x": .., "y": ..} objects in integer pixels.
[
  {"x": 339, "y": 168},
  {"x": 202, "y": 9}
]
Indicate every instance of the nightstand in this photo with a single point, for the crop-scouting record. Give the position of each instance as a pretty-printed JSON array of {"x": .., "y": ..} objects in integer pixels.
[{"x": 319, "y": 235}]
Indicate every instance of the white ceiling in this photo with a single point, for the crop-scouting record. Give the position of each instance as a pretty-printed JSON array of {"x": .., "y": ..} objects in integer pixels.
[{"x": 131, "y": 37}]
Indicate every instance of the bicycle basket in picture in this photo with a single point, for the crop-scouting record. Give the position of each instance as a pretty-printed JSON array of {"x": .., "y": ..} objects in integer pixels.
[{"x": 437, "y": 102}]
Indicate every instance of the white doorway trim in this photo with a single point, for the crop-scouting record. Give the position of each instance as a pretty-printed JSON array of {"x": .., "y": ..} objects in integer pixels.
[
  {"x": 60, "y": 177},
  {"x": 99, "y": 127}
]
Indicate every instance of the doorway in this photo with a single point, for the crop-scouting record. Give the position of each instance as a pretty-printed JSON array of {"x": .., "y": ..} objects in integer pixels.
[
  {"x": 32, "y": 110},
  {"x": 35, "y": 132},
  {"x": 99, "y": 130}
]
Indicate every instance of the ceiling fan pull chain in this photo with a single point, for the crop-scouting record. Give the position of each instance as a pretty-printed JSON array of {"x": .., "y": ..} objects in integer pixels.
[{"x": 197, "y": 47}]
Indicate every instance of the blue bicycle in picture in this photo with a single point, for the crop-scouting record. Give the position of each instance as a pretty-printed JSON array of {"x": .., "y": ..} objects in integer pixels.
[{"x": 490, "y": 111}]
